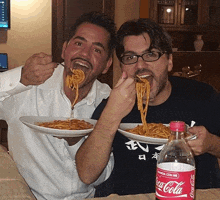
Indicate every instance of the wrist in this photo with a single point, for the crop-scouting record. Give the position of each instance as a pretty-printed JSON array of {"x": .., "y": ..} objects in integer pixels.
[
  {"x": 22, "y": 79},
  {"x": 111, "y": 116},
  {"x": 107, "y": 125},
  {"x": 112, "y": 113},
  {"x": 214, "y": 145}
]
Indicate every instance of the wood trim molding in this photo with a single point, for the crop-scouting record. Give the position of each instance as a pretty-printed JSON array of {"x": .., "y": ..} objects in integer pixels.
[{"x": 58, "y": 16}]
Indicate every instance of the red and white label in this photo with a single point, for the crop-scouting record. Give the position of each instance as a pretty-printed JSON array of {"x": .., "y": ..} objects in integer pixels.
[{"x": 175, "y": 181}]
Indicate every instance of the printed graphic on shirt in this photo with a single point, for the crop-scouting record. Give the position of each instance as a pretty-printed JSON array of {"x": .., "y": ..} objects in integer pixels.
[{"x": 134, "y": 145}]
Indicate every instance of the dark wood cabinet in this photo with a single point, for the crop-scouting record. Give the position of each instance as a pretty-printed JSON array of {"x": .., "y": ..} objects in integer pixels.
[
  {"x": 185, "y": 19},
  {"x": 186, "y": 15},
  {"x": 64, "y": 14},
  {"x": 210, "y": 61}
]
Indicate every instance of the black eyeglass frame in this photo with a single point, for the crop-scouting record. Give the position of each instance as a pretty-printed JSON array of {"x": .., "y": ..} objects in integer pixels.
[{"x": 138, "y": 56}]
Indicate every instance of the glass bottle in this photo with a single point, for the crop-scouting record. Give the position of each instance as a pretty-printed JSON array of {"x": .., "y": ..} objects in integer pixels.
[{"x": 175, "y": 177}]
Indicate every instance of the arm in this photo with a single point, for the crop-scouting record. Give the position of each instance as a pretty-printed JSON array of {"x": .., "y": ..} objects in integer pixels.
[
  {"x": 9, "y": 82},
  {"x": 37, "y": 69},
  {"x": 206, "y": 141},
  {"x": 93, "y": 156}
]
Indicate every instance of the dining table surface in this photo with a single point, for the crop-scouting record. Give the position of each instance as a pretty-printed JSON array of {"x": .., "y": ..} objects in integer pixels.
[{"x": 201, "y": 194}]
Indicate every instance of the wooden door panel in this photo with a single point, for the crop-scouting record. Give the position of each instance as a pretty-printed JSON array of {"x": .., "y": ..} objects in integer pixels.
[{"x": 74, "y": 9}]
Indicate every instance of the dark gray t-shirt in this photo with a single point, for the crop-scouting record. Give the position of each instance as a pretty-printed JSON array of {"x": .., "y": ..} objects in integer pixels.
[{"x": 135, "y": 163}]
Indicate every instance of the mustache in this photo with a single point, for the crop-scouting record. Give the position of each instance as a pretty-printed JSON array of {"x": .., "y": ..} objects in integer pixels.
[{"x": 83, "y": 59}]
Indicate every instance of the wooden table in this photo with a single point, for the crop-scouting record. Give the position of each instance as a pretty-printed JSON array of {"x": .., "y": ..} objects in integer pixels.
[{"x": 209, "y": 194}]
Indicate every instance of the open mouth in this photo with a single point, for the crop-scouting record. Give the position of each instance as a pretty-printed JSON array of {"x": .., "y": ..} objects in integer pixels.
[
  {"x": 79, "y": 64},
  {"x": 144, "y": 76},
  {"x": 139, "y": 77}
]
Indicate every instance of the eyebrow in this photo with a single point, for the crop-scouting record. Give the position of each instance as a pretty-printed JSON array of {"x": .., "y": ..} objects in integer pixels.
[
  {"x": 129, "y": 52},
  {"x": 95, "y": 43},
  {"x": 132, "y": 52}
]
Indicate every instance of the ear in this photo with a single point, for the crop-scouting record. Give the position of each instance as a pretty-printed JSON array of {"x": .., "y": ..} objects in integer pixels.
[
  {"x": 63, "y": 50},
  {"x": 170, "y": 63},
  {"x": 109, "y": 63}
]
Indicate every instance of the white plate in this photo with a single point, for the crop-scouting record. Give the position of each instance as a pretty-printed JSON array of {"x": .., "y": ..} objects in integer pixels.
[
  {"x": 31, "y": 122},
  {"x": 141, "y": 138}
]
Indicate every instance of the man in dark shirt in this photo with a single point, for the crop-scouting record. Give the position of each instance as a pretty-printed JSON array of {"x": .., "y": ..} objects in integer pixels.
[{"x": 145, "y": 49}]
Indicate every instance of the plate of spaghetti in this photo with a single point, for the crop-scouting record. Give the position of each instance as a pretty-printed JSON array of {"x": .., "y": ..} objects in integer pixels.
[
  {"x": 158, "y": 132},
  {"x": 134, "y": 131},
  {"x": 151, "y": 133},
  {"x": 59, "y": 126}
]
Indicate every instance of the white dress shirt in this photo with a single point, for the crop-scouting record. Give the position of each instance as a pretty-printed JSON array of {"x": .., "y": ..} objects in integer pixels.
[{"x": 46, "y": 162}]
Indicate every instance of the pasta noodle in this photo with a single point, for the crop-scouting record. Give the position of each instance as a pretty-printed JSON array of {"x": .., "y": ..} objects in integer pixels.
[
  {"x": 73, "y": 81},
  {"x": 142, "y": 88},
  {"x": 156, "y": 130},
  {"x": 70, "y": 124}
]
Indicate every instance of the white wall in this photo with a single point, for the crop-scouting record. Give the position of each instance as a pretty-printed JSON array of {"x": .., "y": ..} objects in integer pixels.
[{"x": 31, "y": 30}]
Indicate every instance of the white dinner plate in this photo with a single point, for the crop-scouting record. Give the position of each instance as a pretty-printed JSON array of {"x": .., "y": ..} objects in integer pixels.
[
  {"x": 31, "y": 122},
  {"x": 141, "y": 138}
]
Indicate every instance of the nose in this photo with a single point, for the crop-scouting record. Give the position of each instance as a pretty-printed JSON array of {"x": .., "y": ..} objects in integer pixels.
[
  {"x": 141, "y": 63},
  {"x": 86, "y": 51}
]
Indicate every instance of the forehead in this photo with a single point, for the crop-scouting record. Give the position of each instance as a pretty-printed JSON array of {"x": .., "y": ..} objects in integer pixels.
[
  {"x": 136, "y": 43},
  {"x": 92, "y": 33}
]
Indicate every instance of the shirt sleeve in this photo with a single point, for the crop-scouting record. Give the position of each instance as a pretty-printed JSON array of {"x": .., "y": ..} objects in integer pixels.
[{"x": 10, "y": 83}]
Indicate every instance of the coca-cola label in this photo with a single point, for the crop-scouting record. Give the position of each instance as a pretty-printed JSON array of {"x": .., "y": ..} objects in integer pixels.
[{"x": 175, "y": 181}]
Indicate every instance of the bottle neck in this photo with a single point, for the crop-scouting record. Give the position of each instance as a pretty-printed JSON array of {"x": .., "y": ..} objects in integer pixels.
[{"x": 176, "y": 135}]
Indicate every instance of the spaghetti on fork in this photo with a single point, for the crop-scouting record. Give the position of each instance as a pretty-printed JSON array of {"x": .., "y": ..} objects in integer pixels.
[
  {"x": 157, "y": 130},
  {"x": 73, "y": 81}
]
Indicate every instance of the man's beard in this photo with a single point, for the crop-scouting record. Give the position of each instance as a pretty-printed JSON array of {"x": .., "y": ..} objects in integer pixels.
[{"x": 162, "y": 85}]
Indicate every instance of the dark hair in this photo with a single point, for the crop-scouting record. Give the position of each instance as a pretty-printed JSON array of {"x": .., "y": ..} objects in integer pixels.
[
  {"x": 160, "y": 39},
  {"x": 98, "y": 19}
]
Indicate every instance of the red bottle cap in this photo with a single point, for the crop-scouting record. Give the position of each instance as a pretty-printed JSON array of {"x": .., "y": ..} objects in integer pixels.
[{"x": 177, "y": 126}]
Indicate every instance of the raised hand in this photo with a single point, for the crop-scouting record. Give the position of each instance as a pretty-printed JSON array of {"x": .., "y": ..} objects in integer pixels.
[
  {"x": 37, "y": 69},
  {"x": 203, "y": 143},
  {"x": 122, "y": 97}
]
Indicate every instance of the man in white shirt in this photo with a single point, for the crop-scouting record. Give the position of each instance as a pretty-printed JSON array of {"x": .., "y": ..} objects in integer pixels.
[{"x": 38, "y": 89}]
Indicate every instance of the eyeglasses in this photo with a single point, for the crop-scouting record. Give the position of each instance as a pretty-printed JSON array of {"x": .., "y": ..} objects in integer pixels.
[{"x": 150, "y": 56}]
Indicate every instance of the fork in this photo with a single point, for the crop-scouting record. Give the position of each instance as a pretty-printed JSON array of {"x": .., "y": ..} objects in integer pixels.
[
  {"x": 191, "y": 125},
  {"x": 60, "y": 64}
]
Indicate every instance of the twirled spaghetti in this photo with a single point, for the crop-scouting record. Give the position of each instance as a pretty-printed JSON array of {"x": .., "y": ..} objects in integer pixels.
[
  {"x": 147, "y": 129},
  {"x": 70, "y": 124},
  {"x": 73, "y": 81}
]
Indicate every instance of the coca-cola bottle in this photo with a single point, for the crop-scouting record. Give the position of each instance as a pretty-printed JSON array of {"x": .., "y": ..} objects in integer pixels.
[{"x": 175, "y": 177}]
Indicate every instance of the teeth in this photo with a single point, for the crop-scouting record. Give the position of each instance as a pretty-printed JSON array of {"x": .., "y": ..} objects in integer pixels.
[
  {"x": 82, "y": 64},
  {"x": 143, "y": 76},
  {"x": 139, "y": 77}
]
